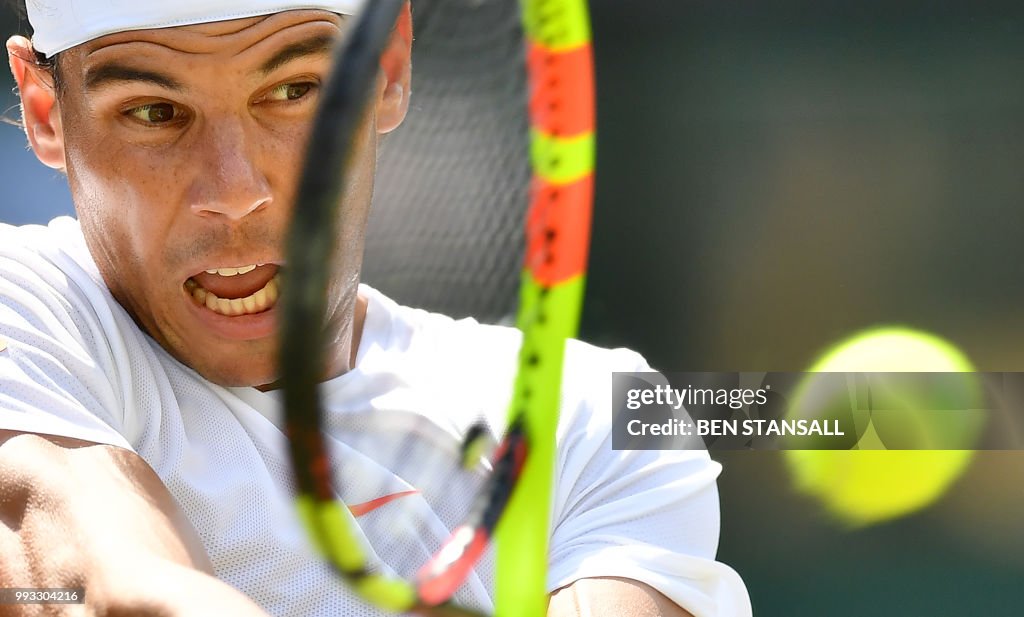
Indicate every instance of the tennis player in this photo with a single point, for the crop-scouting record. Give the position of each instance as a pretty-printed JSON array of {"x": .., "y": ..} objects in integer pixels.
[{"x": 142, "y": 453}]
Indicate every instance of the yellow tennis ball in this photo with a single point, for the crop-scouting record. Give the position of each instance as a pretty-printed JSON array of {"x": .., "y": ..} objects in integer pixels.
[{"x": 871, "y": 484}]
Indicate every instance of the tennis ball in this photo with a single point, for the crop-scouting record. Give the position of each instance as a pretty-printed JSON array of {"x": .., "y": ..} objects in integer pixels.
[{"x": 869, "y": 483}]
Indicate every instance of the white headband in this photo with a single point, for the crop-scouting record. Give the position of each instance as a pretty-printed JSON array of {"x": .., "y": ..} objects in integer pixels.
[{"x": 61, "y": 24}]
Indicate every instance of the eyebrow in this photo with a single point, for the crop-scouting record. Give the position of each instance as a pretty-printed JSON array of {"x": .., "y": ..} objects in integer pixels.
[
  {"x": 317, "y": 45},
  {"x": 114, "y": 72}
]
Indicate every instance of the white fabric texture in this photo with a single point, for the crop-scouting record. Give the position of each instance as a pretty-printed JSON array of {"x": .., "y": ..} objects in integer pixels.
[
  {"x": 61, "y": 24},
  {"x": 76, "y": 365}
]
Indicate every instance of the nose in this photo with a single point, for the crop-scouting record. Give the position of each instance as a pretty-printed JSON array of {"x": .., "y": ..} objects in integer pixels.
[{"x": 229, "y": 181}]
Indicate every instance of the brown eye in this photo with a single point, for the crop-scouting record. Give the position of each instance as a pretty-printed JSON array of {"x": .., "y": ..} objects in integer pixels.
[
  {"x": 297, "y": 91},
  {"x": 155, "y": 113},
  {"x": 290, "y": 92}
]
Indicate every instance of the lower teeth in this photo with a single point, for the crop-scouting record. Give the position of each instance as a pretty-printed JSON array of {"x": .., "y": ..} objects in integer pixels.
[{"x": 254, "y": 303}]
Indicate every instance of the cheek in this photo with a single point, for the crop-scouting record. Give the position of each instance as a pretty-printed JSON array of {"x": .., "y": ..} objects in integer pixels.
[
  {"x": 359, "y": 188},
  {"x": 126, "y": 223},
  {"x": 103, "y": 193},
  {"x": 282, "y": 155}
]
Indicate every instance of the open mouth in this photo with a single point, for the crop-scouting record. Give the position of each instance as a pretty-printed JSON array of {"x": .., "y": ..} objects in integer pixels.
[{"x": 234, "y": 291}]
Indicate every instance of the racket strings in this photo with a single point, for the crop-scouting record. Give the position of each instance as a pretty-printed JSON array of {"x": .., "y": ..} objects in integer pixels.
[{"x": 446, "y": 234}]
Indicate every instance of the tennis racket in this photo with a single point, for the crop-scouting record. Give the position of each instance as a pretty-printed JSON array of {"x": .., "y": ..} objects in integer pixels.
[{"x": 515, "y": 499}]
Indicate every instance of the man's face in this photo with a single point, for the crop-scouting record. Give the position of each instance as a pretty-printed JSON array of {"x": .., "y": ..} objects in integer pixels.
[{"x": 183, "y": 149}]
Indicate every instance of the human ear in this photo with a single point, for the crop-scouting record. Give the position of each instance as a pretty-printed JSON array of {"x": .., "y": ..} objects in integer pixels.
[
  {"x": 40, "y": 110},
  {"x": 396, "y": 75}
]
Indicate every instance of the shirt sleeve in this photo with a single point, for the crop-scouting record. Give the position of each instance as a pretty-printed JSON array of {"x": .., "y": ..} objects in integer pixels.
[
  {"x": 54, "y": 379},
  {"x": 650, "y": 516}
]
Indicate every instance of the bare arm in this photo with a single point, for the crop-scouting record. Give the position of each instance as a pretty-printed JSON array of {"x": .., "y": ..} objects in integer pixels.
[
  {"x": 76, "y": 514},
  {"x": 611, "y": 597}
]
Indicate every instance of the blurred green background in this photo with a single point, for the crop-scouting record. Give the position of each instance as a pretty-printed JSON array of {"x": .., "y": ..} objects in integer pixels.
[{"x": 772, "y": 177}]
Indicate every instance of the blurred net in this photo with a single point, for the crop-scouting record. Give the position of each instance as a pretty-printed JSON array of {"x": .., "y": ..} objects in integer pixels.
[{"x": 446, "y": 230}]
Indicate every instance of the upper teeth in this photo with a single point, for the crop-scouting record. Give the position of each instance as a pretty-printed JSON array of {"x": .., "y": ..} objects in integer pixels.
[{"x": 232, "y": 271}]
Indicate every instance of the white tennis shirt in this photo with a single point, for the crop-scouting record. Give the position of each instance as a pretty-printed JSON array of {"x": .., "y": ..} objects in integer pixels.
[{"x": 76, "y": 365}]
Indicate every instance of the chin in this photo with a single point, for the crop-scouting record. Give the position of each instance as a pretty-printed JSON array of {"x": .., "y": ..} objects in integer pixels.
[
  {"x": 245, "y": 380},
  {"x": 233, "y": 374}
]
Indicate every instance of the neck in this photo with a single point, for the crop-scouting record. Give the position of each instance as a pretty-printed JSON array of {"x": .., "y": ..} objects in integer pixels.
[{"x": 347, "y": 349}]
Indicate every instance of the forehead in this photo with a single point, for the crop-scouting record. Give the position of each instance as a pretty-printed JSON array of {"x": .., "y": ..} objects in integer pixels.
[
  {"x": 59, "y": 25},
  {"x": 219, "y": 38}
]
